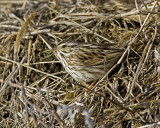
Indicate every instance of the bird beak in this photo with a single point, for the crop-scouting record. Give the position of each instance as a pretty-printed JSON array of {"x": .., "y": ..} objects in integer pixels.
[{"x": 54, "y": 49}]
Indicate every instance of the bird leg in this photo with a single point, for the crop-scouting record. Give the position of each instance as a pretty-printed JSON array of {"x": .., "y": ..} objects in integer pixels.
[{"x": 89, "y": 87}]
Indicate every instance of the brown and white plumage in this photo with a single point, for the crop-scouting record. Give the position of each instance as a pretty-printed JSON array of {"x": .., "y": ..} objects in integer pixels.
[{"x": 87, "y": 62}]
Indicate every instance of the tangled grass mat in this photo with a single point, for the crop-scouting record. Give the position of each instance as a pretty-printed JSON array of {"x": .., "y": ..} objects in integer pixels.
[{"x": 35, "y": 90}]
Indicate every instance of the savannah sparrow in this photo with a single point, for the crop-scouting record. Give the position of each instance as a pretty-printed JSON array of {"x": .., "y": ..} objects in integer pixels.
[{"x": 87, "y": 62}]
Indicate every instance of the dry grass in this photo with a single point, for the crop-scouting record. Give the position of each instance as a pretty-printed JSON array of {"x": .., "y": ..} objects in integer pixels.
[{"x": 35, "y": 91}]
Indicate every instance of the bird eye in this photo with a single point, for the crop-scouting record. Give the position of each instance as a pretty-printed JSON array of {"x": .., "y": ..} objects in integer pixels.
[{"x": 63, "y": 46}]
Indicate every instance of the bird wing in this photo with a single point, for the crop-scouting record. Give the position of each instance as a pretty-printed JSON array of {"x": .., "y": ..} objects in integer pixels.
[{"x": 101, "y": 57}]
